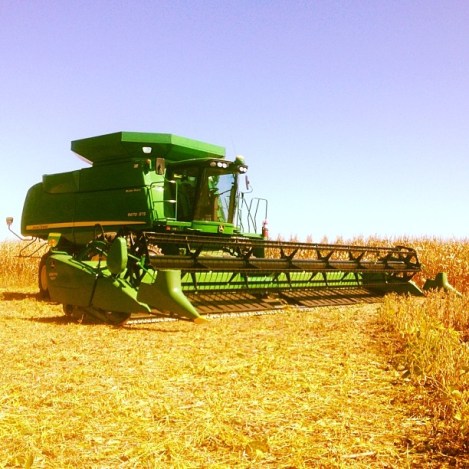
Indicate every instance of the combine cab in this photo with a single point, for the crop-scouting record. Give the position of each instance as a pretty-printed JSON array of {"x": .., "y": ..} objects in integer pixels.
[{"x": 158, "y": 226}]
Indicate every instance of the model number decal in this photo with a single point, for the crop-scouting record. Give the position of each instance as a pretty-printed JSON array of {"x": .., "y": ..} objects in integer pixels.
[{"x": 137, "y": 214}]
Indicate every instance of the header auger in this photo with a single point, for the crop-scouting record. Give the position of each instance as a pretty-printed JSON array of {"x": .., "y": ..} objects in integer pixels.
[{"x": 158, "y": 226}]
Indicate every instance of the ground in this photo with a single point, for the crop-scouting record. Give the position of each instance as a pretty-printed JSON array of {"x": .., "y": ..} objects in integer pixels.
[{"x": 314, "y": 388}]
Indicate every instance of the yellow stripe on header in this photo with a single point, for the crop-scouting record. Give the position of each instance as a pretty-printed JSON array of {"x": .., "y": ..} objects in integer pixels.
[{"x": 81, "y": 224}]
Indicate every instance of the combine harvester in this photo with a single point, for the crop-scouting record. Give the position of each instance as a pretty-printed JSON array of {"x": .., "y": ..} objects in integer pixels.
[{"x": 158, "y": 226}]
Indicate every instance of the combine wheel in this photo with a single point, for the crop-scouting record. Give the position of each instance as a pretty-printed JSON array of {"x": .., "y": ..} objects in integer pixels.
[
  {"x": 74, "y": 312},
  {"x": 114, "y": 318},
  {"x": 42, "y": 278},
  {"x": 90, "y": 315}
]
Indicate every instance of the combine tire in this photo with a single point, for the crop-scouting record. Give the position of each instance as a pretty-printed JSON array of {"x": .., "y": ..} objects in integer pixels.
[
  {"x": 42, "y": 278},
  {"x": 90, "y": 315},
  {"x": 74, "y": 313}
]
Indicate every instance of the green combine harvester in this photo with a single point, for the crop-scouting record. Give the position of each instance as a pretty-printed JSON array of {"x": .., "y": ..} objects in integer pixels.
[{"x": 160, "y": 226}]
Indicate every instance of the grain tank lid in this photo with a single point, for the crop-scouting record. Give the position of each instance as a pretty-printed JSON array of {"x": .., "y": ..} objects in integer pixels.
[{"x": 121, "y": 146}]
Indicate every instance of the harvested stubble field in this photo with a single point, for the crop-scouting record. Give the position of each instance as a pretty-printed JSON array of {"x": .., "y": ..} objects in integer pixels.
[{"x": 382, "y": 385}]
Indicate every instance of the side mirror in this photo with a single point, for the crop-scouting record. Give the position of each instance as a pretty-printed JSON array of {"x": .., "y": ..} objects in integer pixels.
[{"x": 9, "y": 223}]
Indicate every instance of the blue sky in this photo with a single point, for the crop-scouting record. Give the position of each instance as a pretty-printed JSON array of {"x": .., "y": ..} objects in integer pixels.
[{"x": 353, "y": 116}]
